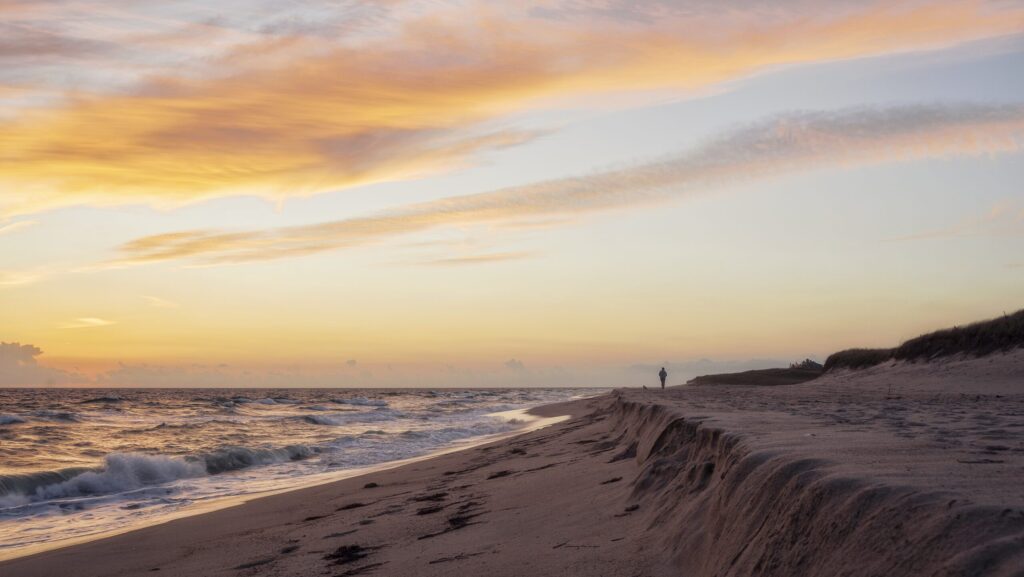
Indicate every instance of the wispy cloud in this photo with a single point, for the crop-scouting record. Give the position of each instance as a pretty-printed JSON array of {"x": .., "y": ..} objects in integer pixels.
[
  {"x": 160, "y": 303},
  {"x": 790, "y": 142},
  {"x": 10, "y": 278},
  {"x": 1004, "y": 218},
  {"x": 293, "y": 113},
  {"x": 16, "y": 226},
  {"x": 479, "y": 258},
  {"x": 18, "y": 40},
  {"x": 87, "y": 323}
]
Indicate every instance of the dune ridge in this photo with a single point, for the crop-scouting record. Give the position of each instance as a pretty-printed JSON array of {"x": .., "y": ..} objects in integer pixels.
[{"x": 978, "y": 339}]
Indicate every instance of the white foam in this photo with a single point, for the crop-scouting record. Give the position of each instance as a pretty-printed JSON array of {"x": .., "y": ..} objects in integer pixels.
[{"x": 124, "y": 472}]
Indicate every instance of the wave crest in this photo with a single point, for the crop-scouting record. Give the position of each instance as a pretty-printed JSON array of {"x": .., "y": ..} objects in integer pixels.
[
  {"x": 338, "y": 419},
  {"x": 10, "y": 419},
  {"x": 61, "y": 416},
  {"x": 234, "y": 458},
  {"x": 129, "y": 471}
]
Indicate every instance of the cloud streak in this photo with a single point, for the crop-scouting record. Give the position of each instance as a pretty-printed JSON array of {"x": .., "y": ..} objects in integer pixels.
[
  {"x": 16, "y": 226},
  {"x": 160, "y": 303},
  {"x": 1004, "y": 218},
  {"x": 486, "y": 258},
  {"x": 9, "y": 278},
  {"x": 87, "y": 323},
  {"x": 786, "y": 143},
  {"x": 294, "y": 114}
]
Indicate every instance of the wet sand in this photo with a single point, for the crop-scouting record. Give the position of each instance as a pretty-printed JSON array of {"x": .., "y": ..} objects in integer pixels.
[{"x": 896, "y": 470}]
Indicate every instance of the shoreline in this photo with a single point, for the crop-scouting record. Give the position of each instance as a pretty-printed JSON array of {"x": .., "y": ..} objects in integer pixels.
[
  {"x": 894, "y": 470},
  {"x": 540, "y": 419}
]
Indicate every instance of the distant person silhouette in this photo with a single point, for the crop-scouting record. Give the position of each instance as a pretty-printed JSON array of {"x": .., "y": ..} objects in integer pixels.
[{"x": 663, "y": 374}]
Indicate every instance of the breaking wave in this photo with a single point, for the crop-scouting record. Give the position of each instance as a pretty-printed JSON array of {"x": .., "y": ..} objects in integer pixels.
[
  {"x": 234, "y": 458},
  {"x": 110, "y": 399},
  {"x": 272, "y": 401},
  {"x": 128, "y": 471},
  {"x": 60, "y": 416},
  {"x": 338, "y": 419}
]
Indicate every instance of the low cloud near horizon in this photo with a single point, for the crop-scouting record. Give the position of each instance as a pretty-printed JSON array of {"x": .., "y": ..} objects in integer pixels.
[{"x": 20, "y": 367}]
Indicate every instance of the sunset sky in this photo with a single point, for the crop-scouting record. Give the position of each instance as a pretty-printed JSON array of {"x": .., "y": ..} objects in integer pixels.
[{"x": 563, "y": 192}]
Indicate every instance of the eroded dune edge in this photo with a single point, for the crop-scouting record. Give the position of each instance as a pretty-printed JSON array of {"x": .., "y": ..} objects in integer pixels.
[{"x": 721, "y": 508}]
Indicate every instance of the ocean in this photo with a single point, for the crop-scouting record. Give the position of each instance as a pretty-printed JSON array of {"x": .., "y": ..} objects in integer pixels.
[{"x": 76, "y": 463}]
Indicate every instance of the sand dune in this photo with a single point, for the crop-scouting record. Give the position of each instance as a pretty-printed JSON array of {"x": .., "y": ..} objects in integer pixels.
[{"x": 901, "y": 469}]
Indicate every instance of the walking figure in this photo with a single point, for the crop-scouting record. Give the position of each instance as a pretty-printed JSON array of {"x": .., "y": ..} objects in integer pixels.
[{"x": 663, "y": 374}]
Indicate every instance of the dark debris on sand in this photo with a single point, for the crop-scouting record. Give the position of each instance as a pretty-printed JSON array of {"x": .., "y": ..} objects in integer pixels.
[
  {"x": 458, "y": 557},
  {"x": 349, "y": 554},
  {"x": 255, "y": 563},
  {"x": 461, "y": 519},
  {"x": 431, "y": 497},
  {"x": 341, "y": 534}
]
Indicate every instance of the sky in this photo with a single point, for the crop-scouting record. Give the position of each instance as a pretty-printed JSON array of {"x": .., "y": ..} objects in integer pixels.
[{"x": 460, "y": 193}]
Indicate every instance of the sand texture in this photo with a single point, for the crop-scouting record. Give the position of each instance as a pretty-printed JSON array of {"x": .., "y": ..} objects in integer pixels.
[{"x": 902, "y": 469}]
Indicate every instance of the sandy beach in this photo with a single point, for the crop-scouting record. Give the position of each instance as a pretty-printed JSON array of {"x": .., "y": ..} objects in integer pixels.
[{"x": 902, "y": 469}]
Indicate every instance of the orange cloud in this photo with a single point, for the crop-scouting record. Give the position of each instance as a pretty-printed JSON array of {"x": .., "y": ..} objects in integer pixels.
[
  {"x": 295, "y": 115},
  {"x": 799, "y": 141}
]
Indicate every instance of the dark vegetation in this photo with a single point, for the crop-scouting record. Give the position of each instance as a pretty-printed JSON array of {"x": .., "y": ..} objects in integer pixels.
[
  {"x": 857, "y": 358},
  {"x": 763, "y": 377},
  {"x": 976, "y": 339}
]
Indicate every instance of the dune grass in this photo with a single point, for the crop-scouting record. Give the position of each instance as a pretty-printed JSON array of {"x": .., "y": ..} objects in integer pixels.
[
  {"x": 857, "y": 358},
  {"x": 761, "y": 377},
  {"x": 978, "y": 339}
]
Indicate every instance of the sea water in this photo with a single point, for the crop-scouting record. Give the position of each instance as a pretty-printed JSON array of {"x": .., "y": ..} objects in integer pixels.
[{"x": 76, "y": 463}]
